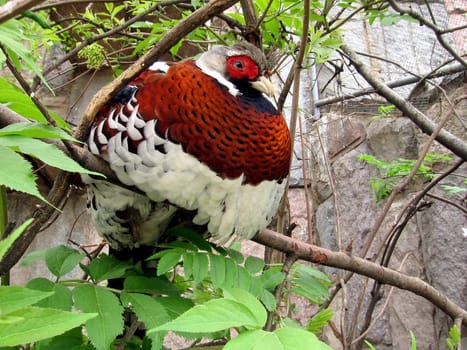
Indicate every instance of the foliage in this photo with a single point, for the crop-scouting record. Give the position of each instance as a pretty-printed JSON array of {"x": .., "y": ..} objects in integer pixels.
[
  {"x": 383, "y": 185},
  {"x": 384, "y": 111},
  {"x": 454, "y": 338},
  {"x": 198, "y": 290}
]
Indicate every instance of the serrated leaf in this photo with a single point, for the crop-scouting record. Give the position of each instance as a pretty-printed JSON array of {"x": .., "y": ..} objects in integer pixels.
[
  {"x": 60, "y": 260},
  {"x": 46, "y": 152},
  {"x": 106, "y": 267},
  {"x": 7, "y": 242},
  {"x": 39, "y": 323},
  {"x": 167, "y": 262},
  {"x": 16, "y": 297},
  {"x": 254, "y": 265},
  {"x": 255, "y": 340},
  {"x": 61, "y": 299},
  {"x": 212, "y": 316},
  {"x": 108, "y": 324},
  {"x": 299, "y": 339},
  {"x": 16, "y": 100},
  {"x": 217, "y": 270},
  {"x": 16, "y": 173},
  {"x": 249, "y": 301},
  {"x": 200, "y": 266},
  {"x": 12, "y": 40},
  {"x": 36, "y": 130},
  {"x": 150, "y": 285}
]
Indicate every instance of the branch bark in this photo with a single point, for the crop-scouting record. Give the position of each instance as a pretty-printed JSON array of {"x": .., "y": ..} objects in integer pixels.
[
  {"x": 13, "y": 8},
  {"x": 361, "y": 266}
]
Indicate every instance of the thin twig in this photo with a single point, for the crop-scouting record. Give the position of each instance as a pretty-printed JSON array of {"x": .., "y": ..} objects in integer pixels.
[
  {"x": 445, "y": 200},
  {"x": 448, "y": 140}
]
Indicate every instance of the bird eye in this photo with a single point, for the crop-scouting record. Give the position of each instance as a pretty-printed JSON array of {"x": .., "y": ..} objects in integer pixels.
[{"x": 238, "y": 65}]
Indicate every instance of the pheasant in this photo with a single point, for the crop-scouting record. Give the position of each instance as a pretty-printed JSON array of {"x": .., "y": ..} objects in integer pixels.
[{"x": 197, "y": 135}]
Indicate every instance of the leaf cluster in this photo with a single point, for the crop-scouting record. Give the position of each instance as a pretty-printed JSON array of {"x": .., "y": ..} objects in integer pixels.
[
  {"x": 390, "y": 172},
  {"x": 198, "y": 290}
]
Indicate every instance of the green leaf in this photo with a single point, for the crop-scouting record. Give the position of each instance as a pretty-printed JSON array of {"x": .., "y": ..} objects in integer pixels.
[
  {"x": 268, "y": 299},
  {"x": 68, "y": 340},
  {"x": 16, "y": 173},
  {"x": 413, "y": 341},
  {"x": 255, "y": 340},
  {"x": 60, "y": 260},
  {"x": 37, "y": 255},
  {"x": 106, "y": 267},
  {"x": 148, "y": 309},
  {"x": 212, "y": 316},
  {"x": 6, "y": 243},
  {"x": 150, "y": 285},
  {"x": 102, "y": 329},
  {"x": 36, "y": 130},
  {"x": 245, "y": 298},
  {"x": 299, "y": 339},
  {"x": 318, "y": 321},
  {"x": 168, "y": 262},
  {"x": 310, "y": 283},
  {"x": 254, "y": 265},
  {"x": 12, "y": 40},
  {"x": 200, "y": 266},
  {"x": 175, "y": 306},
  {"x": 39, "y": 323},
  {"x": 231, "y": 273},
  {"x": 272, "y": 278},
  {"x": 243, "y": 278},
  {"x": 46, "y": 152},
  {"x": 15, "y": 297},
  {"x": 61, "y": 299},
  {"x": 217, "y": 270},
  {"x": 16, "y": 100},
  {"x": 191, "y": 235}
]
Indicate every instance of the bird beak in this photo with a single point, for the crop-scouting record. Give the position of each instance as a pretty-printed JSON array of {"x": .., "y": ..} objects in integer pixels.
[{"x": 263, "y": 84}]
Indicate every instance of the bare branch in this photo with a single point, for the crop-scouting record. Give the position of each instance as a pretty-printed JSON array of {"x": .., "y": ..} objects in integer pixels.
[
  {"x": 13, "y": 8},
  {"x": 438, "y": 31},
  {"x": 361, "y": 266},
  {"x": 451, "y": 69},
  {"x": 453, "y": 143}
]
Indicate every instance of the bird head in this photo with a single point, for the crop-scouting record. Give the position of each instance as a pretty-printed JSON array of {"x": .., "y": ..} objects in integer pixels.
[{"x": 241, "y": 68}]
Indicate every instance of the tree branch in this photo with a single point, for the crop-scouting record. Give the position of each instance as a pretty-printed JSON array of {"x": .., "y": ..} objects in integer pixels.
[
  {"x": 13, "y": 8},
  {"x": 361, "y": 266},
  {"x": 448, "y": 140}
]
